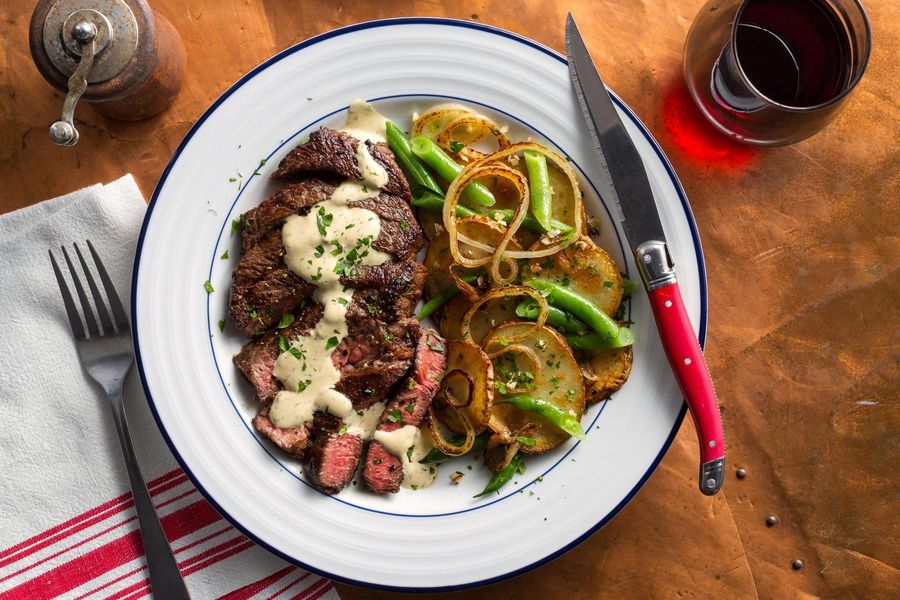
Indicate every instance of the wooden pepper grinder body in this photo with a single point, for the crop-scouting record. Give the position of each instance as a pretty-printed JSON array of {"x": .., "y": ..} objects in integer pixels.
[{"x": 119, "y": 55}]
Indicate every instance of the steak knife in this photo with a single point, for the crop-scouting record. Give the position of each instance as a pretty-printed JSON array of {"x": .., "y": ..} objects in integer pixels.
[{"x": 627, "y": 182}]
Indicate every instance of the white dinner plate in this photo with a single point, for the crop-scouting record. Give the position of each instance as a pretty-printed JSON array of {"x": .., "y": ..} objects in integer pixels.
[{"x": 438, "y": 538}]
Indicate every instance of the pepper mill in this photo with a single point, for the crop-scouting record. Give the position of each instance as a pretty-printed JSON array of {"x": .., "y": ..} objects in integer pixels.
[{"x": 119, "y": 55}]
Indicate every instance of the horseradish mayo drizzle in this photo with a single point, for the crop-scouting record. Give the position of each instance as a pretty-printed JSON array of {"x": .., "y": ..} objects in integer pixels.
[
  {"x": 410, "y": 446},
  {"x": 334, "y": 239}
]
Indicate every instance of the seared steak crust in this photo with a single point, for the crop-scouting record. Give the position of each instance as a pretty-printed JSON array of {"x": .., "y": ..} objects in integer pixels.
[
  {"x": 383, "y": 472},
  {"x": 292, "y": 440},
  {"x": 332, "y": 459},
  {"x": 292, "y": 199},
  {"x": 263, "y": 288},
  {"x": 334, "y": 153},
  {"x": 257, "y": 358}
]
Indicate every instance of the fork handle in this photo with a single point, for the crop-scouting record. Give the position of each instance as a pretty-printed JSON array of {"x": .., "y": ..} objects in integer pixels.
[{"x": 165, "y": 578}]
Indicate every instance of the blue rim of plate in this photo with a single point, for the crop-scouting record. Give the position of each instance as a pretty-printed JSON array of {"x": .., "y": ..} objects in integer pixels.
[{"x": 701, "y": 270}]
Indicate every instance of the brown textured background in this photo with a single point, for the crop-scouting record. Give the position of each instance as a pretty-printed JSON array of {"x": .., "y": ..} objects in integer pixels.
[{"x": 802, "y": 249}]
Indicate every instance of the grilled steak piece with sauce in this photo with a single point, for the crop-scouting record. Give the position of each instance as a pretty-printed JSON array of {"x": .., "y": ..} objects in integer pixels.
[
  {"x": 263, "y": 288},
  {"x": 383, "y": 472},
  {"x": 332, "y": 458},
  {"x": 291, "y": 199},
  {"x": 292, "y": 440},
  {"x": 257, "y": 358},
  {"x": 333, "y": 152}
]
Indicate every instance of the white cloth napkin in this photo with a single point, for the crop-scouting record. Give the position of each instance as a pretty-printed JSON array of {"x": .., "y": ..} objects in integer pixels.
[{"x": 67, "y": 524}]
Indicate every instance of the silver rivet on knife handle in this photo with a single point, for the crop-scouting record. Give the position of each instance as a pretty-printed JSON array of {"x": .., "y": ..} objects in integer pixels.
[{"x": 655, "y": 264}]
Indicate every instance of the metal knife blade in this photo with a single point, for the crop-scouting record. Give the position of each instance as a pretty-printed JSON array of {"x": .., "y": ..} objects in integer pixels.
[{"x": 621, "y": 163}]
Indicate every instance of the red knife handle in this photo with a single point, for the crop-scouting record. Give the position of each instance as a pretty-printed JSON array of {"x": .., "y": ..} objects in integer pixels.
[{"x": 686, "y": 358}]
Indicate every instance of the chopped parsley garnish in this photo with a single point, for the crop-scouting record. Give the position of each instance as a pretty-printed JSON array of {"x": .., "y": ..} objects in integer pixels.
[
  {"x": 234, "y": 225},
  {"x": 526, "y": 441},
  {"x": 404, "y": 225},
  {"x": 395, "y": 416},
  {"x": 455, "y": 146},
  {"x": 286, "y": 320},
  {"x": 411, "y": 385},
  {"x": 298, "y": 354},
  {"x": 411, "y": 408},
  {"x": 319, "y": 251},
  {"x": 607, "y": 283},
  {"x": 555, "y": 380},
  {"x": 232, "y": 179},
  {"x": 521, "y": 467},
  {"x": 208, "y": 287},
  {"x": 331, "y": 343},
  {"x": 409, "y": 452},
  {"x": 323, "y": 220},
  {"x": 342, "y": 301},
  {"x": 343, "y": 429},
  {"x": 283, "y": 344},
  {"x": 318, "y": 275},
  {"x": 372, "y": 309},
  {"x": 337, "y": 248},
  {"x": 377, "y": 461},
  {"x": 303, "y": 385},
  {"x": 224, "y": 255},
  {"x": 221, "y": 324}
]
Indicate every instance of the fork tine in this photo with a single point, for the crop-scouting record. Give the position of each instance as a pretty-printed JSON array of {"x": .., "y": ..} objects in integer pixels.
[
  {"x": 118, "y": 310},
  {"x": 82, "y": 297},
  {"x": 98, "y": 298},
  {"x": 74, "y": 318}
]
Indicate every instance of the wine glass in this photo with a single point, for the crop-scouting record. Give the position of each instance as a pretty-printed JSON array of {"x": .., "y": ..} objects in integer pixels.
[{"x": 774, "y": 72}]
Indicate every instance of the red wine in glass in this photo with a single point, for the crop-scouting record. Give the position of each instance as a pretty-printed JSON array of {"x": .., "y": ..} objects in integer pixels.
[{"x": 775, "y": 71}]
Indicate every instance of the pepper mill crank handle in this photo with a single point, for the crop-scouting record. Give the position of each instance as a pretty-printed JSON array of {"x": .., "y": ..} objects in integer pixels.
[{"x": 63, "y": 132}]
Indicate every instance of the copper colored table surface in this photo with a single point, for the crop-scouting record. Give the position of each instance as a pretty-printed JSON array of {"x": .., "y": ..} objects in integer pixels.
[{"x": 802, "y": 253}]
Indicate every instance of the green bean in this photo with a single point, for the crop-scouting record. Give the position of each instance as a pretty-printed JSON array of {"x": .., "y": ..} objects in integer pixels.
[
  {"x": 530, "y": 223},
  {"x": 437, "y": 302},
  {"x": 435, "y": 203},
  {"x": 443, "y": 298},
  {"x": 400, "y": 145},
  {"x": 562, "y": 419},
  {"x": 578, "y": 305},
  {"x": 562, "y": 320},
  {"x": 593, "y": 341},
  {"x": 433, "y": 156},
  {"x": 539, "y": 184},
  {"x": 502, "y": 478}
]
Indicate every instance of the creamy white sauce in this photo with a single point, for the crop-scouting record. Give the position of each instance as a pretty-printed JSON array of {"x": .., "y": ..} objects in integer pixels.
[
  {"x": 416, "y": 474},
  {"x": 333, "y": 239}
]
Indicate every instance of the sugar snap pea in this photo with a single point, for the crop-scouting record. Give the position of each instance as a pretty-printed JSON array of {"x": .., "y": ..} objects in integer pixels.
[{"x": 565, "y": 421}]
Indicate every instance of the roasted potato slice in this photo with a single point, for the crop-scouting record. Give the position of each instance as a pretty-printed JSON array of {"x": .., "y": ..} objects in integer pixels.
[
  {"x": 586, "y": 269},
  {"x": 469, "y": 378},
  {"x": 606, "y": 372},
  {"x": 439, "y": 260},
  {"x": 556, "y": 378}
]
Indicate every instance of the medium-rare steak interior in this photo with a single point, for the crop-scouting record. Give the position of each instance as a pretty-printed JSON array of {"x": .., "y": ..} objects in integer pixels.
[{"x": 326, "y": 287}]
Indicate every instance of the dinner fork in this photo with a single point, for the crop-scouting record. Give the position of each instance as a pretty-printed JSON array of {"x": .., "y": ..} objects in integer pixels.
[{"x": 106, "y": 353}]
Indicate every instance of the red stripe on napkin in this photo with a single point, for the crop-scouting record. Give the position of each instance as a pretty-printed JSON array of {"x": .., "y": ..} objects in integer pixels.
[
  {"x": 251, "y": 589},
  {"x": 114, "y": 554},
  {"x": 314, "y": 591},
  {"x": 86, "y": 519}
]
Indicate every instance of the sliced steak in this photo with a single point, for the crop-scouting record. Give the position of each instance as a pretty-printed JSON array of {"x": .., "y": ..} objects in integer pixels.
[
  {"x": 373, "y": 357},
  {"x": 292, "y": 440},
  {"x": 400, "y": 233},
  {"x": 332, "y": 458},
  {"x": 334, "y": 153},
  {"x": 383, "y": 472},
  {"x": 271, "y": 212},
  {"x": 262, "y": 287},
  {"x": 256, "y": 360},
  {"x": 388, "y": 292}
]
